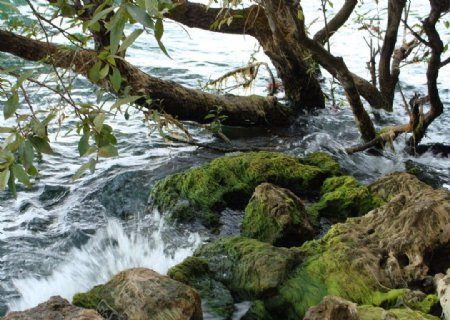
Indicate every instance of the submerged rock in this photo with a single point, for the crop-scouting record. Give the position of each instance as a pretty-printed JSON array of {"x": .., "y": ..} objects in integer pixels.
[
  {"x": 276, "y": 216},
  {"x": 387, "y": 248},
  {"x": 229, "y": 181},
  {"x": 344, "y": 197},
  {"x": 55, "y": 308},
  {"x": 140, "y": 294}
]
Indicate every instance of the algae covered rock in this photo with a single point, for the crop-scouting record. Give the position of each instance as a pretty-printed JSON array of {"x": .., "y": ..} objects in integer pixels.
[
  {"x": 276, "y": 216},
  {"x": 344, "y": 197},
  {"x": 249, "y": 268},
  {"x": 387, "y": 248},
  {"x": 142, "y": 294},
  {"x": 201, "y": 192},
  {"x": 55, "y": 308},
  {"x": 376, "y": 313},
  {"x": 257, "y": 311},
  {"x": 324, "y": 162},
  {"x": 392, "y": 184},
  {"x": 333, "y": 308},
  {"x": 216, "y": 298}
]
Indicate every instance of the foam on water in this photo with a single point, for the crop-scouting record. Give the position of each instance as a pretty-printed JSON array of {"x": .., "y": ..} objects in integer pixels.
[{"x": 109, "y": 251}]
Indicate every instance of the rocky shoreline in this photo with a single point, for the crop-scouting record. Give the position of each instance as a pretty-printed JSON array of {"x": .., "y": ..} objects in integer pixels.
[{"x": 385, "y": 257}]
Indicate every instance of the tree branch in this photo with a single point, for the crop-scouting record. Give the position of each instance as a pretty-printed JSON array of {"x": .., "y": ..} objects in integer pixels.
[
  {"x": 181, "y": 102},
  {"x": 323, "y": 35}
]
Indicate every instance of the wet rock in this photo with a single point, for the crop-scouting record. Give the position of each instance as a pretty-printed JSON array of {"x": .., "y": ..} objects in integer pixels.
[
  {"x": 344, "y": 197},
  {"x": 216, "y": 298},
  {"x": 138, "y": 294},
  {"x": 229, "y": 181},
  {"x": 55, "y": 308},
  {"x": 248, "y": 268},
  {"x": 443, "y": 289},
  {"x": 257, "y": 311},
  {"x": 424, "y": 173},
  {"x": 386, "y": 248},
  {"x": 52, "y": 195},
  {"x": 324, "y": 162},
  {"x": 333, "y": 308},
  {"x": 392, "y": 184},
  {"x": 276, "y": 216}
]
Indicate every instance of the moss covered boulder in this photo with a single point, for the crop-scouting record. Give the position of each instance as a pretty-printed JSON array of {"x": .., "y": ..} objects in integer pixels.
[
  {"x": 324, "y": 162},
  {"x": 387, "y": 248},
  {"x": 344, "y": 197},
  {"x": 276, "y": 216},
  {"x": 336, "y": 308},
  {"x": 200, "y": 193},
  {"x": 216, "y": 298},
  {"x": 140, "y": 294}
]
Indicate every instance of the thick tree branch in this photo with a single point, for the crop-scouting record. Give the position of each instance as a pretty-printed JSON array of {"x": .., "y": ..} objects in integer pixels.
[
  {"x": 323, "y": 35},
  {"x": 181, "y": 102},
  {"x": 389, "y": 80}
]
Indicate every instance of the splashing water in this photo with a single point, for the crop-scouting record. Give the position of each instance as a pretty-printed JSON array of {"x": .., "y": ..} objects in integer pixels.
[{"x": 110, "y": 251}]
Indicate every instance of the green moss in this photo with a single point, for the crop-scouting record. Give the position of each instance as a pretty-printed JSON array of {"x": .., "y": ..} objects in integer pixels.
[
  {"x": 257, "y": 311},
  {"x": 88, "y": 300},
  {"x": 189, "y": 269},
  {"x": 324, "y": 161},
  {"x": 344, "y": 197},
  {"x": 259, "y": 224},
  {"x": 368, "y": 312},
  {"x": 249, "y": 268},
  {"x": 229, "y": 181}
]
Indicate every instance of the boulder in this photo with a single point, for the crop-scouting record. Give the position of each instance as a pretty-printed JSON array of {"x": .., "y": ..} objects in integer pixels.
[
  {"x": 55, "y": 308},
  {"x": 389, "y": 247},
  {"x": 344, "y": 197},
  {"x": 324, "y": 161},
  {"x": 335, "y": 308},
  {"x": 395, "y": 183},
  {"x": 229, "y": 181},
  {"x": 276, "y": 216},
  {"x": 141, "y": 294},
  {"x": 248, "y": 268}
]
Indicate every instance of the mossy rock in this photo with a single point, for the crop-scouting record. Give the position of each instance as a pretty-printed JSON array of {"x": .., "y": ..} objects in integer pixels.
[
  {"x": 368, "y": 312},
  {"x": 249, "y": 268},
  {"x": 141, "y": 293},
  {"x": 359, "y": 259},
  {"x": 276, "y": 216},
  {"x": 257, "y": 311},
  {"x": 216, "y": 298},
  {"x": 229, "y": 181},
  {"x": 344, "y": 197},
  {"x": 324, "y": 161}
]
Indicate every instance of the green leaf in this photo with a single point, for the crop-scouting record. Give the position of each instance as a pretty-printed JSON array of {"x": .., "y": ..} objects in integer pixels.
[
  {"x": 9, "y": 6},
  {"x": 22, "y": 78},
  {"x": 447, "y": 24},
  {"x": 125, "y": 100},
  {"x": 41, "y": 145},
  {"x": 104, "y": 72},
  {"x": 82, "y": 169},
  {"x": 4, "y": 177},
  {"x": 108, "y": 151},
  {"x": 12, "y": 184},
  {"x": 159, "y": 29},
  {"x": 116, "y": 79},
  {"x": 130, "y": 40},
  {"x": 32, "y": 171},
  {"x": 6, "y": 130},
  {"x": 94, "y": 72},
  {"x": 11, "y": 105},
  {"x": 26, "y": 152},
  {"x": 140, "y": 15},
  {"x": 100, "y": 15},
  {"x": 21, "y": 175},
  {"x": 98, "y": 121},
  {"x": 83, "y": 144},
  {"x": 163, "y": 49},
  {"x": 116, "y": 31}
]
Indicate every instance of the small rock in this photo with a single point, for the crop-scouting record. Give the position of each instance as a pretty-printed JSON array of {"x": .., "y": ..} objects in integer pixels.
[{"x": 333, "y": 308}]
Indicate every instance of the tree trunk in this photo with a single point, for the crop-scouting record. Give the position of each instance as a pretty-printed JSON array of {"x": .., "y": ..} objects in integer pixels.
[
  {"x": 167, "y": 96},
  {"x": 294, "y": 64}
]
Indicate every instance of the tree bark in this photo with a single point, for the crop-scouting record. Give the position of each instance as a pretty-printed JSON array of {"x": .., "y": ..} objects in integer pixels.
[
  {"x": 293, "y": 63},
  {"x": 167, "y": 96}
]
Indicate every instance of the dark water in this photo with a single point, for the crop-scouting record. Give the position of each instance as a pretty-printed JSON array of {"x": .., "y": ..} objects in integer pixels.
[{"x": 61, "y": 236}]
